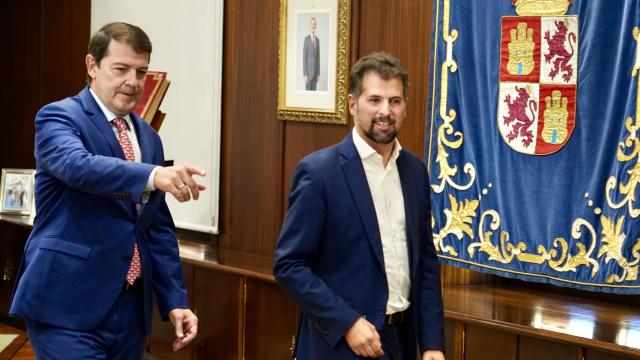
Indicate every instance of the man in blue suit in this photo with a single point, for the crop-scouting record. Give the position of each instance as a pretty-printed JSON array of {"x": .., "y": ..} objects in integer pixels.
[
  {"x": 355, "y": 252},
  {"x": 311, "y": 58},
  {"x": 103, "y": 238}
]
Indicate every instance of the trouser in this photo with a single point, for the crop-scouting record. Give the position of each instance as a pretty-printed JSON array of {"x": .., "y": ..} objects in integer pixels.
[{"x": 120, "y": 335}]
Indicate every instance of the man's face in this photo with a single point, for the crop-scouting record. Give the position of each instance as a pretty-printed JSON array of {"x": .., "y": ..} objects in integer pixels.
[
  {"x": 313, "y": 26},
  {"x": 119, "y": 78},
  {"x": 379, "y": 111}
]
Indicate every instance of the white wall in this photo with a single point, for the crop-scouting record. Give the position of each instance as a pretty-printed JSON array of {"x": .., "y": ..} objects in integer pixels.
[{"x": 187, "y": 44}]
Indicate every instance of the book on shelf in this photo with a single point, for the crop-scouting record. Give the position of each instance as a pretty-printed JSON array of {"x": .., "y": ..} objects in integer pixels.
[{"x": 155, "y": 87}]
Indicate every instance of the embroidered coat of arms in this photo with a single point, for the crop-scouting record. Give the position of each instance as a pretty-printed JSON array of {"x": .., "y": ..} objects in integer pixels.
[{"x": 538, "y": 81}]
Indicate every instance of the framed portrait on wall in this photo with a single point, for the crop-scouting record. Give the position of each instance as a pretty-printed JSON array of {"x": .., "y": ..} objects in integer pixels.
[
  {"x": 313, "y": 60},
  {"x": 16, "y": 191}
]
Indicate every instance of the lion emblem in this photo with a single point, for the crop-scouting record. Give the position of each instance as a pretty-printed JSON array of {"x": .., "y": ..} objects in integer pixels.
[
  {"x": 558, "y": 53},
  {"x": 517, "y": 119}
]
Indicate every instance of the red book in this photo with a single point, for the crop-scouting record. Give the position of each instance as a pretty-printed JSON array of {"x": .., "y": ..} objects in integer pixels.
[{"x": 155, "y": 87}]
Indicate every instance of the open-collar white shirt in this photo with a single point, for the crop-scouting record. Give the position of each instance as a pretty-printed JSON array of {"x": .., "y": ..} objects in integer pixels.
[{"x": 386, "y": 191}]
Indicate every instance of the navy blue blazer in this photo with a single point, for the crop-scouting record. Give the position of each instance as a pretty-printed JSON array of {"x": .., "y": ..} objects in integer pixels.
[
  {"x": 79, "y": 250},
  {"x": 329, "y": 257}
]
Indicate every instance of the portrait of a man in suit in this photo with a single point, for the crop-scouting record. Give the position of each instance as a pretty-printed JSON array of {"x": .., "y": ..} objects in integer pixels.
[{"x": 311, "y": 57}]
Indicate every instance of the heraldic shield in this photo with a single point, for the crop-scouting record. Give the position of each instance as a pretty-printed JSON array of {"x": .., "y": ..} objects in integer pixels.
[{"x": 538, "y": 77}]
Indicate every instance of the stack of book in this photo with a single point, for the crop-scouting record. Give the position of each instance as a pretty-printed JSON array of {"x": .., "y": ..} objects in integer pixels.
[{"x": 155, "y": 87}]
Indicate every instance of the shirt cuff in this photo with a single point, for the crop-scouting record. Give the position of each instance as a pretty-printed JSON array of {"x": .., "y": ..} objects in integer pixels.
[{"x": 150, "y": 186}]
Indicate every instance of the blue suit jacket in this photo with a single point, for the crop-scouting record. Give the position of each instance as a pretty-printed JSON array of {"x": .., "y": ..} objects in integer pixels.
[
  {"x": 329, "y": 257},
  {"x": 79, "y": 250}
]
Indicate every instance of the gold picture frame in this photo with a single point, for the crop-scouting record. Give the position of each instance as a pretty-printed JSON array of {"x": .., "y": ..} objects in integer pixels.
[
  {"x": 321, "y": 28},
  {"x": 16, "y": 191}
]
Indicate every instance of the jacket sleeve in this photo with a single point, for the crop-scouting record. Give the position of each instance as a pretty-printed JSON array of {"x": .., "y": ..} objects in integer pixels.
[
  {"x": 430, "y": 307},
  {"x": 168, "y": 278},
  {"x": 299, "y": 243},
  {"x": 60, "y": 151}
]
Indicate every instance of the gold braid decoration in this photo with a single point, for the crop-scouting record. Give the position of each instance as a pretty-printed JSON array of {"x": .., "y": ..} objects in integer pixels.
[
  {"x": 612, "y": 243},
  {"x": 503, "y": 253},
  {"x": 446, "y": 170},
  {"x": 459, "y": 218},
  {"x": 630, "y": 143},
  {"x": 558, "y": 258}
]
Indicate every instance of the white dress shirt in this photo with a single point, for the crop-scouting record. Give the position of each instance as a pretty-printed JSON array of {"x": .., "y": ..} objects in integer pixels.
[
  {"x": 386, "y": 191},
  {"x": 110, "y": 116}
]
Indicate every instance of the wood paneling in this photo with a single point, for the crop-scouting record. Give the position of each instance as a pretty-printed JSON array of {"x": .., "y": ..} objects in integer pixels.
[
  {"x": 251, "y": 171},
  {"x": 454, "y": 339},
  {"x": 42, "y": 59},
  {"x": 488, "y": 344},
  {"x": 64, "y": 46},
  {"x": 534, "y": 349},
  {"x": 218, "y": 301},
  {"x": 10, "y": 255},
  {"x": 270, "y": 322},
  {"x": 20, "y": 90},
  {"x": 599, "y": 355},
  {"x": 403, "y": 29}
]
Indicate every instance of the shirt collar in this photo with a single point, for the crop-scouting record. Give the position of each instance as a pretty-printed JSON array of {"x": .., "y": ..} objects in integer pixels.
[
  {"x": 107, "y": 113},
  {"x": 365, "y": 150}
]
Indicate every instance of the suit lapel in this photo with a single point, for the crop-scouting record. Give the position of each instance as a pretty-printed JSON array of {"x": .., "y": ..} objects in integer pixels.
[
  {"x": 357, "y": 182},
  {"x": 100, "y": 122},
  {"x": 410, "y": 209}
]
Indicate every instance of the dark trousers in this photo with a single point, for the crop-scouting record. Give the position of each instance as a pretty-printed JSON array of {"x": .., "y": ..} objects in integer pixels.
[
  {"x": 393, "y": 338},
  {"x": 120, "y": 335},
  {"x": 311, "y": 85}
]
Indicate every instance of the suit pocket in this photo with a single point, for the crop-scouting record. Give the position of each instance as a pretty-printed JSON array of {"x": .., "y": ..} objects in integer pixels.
[{"x": 66, "y": 247}]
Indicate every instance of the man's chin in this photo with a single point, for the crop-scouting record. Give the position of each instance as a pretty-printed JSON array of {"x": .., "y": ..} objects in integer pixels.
[{"x": 382, "y": 139}]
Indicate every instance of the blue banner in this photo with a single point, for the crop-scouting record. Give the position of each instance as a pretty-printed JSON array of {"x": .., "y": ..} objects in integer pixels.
[{"x": 534, "y": 143}]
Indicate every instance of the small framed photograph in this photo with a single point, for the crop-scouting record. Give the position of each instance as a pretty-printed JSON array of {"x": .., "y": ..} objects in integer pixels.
[
  {"x": 16, "y": 191},
  {"x": 313, "y": 59}
]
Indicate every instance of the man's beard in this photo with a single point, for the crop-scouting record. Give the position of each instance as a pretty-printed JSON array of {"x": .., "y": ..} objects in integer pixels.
[{"x": 381, "y": 138}]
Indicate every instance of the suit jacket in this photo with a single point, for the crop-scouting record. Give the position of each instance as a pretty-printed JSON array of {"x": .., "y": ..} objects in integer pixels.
[
  {"x": 329, "y": 257},
  {"x": 311, "y": 58},
  {"x": 79, "y": 250}
]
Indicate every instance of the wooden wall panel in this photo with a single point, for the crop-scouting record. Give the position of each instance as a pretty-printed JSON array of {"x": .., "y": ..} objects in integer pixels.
[
  {"x": 600, "y": 355},
  {"x": 251, "y": 170},
  {"x": 64, "y": 47},
  {"x": 218, "y": 301},
  {"x": 534, "y": 349},
  {"x": 454, "y": 339},
  {"x": 20, "y": 90},
  {"x": 270, "y": 322},
  {"x": 43, "y": 59},
  {"x": 487, "y": 344},
  {"x": 403, "y": 29}
]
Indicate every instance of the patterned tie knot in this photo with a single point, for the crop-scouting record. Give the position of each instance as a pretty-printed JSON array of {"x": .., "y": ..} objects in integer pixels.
[{"x": 120, "y": 123}]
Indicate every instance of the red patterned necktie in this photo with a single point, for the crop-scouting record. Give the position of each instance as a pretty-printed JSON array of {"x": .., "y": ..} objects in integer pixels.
[{"x": 125, "y": 143}]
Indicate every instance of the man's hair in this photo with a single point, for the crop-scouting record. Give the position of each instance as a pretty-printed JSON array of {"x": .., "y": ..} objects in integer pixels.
[
  {"x": 120, "y": 32},
  {"x": 384, "y": 65}
]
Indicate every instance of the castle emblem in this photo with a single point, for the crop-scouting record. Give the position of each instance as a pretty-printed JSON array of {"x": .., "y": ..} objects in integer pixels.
[{"x": 538, "y": 76}]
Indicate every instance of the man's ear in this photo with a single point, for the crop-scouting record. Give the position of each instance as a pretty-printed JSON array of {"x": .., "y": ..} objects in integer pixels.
[
  {"x": 352, "y": 104},
  {"x": 92, "y": 65}
]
